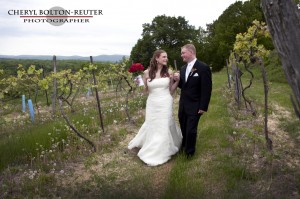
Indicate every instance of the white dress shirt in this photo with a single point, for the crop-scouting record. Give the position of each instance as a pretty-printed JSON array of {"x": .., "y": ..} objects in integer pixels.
[{"x": 189, "y": 68}]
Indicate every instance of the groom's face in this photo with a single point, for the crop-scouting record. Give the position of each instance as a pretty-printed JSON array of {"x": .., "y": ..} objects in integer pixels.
[{"x": 186, "y": 55}]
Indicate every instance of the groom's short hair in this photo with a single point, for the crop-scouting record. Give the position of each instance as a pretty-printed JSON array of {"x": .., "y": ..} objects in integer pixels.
[{"x": 190, "y": 47}]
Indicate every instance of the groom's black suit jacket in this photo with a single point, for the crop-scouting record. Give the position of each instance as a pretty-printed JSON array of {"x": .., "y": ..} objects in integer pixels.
[{"x": 196, "y": 91}]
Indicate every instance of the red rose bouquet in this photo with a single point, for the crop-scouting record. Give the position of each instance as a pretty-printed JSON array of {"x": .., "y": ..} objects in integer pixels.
[{"x": 136, "y": 69}]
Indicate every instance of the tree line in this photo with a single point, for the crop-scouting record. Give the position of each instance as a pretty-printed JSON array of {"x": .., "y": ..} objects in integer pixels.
[
  {"x": 10, "y": 66},
  {"x": 213, "y": 43}
]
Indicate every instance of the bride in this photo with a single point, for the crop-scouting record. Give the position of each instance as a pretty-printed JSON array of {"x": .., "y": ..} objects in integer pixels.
[{"x": 159, "y": 137}]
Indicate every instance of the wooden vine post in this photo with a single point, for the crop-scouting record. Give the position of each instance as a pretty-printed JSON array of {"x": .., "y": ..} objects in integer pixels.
[
  {"x": 53, "y": 97},
  {"x": 97, "y": 96}
]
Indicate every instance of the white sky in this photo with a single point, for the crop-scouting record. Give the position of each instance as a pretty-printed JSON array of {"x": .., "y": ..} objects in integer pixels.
[{"x": 114, "y": 32}]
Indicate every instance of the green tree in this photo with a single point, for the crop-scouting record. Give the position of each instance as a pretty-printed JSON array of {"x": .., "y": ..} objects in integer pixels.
[
  {"x": 167, "y": 33},
  {"x": 142, "y": 51},
  {"x": 221, "y": 33}
]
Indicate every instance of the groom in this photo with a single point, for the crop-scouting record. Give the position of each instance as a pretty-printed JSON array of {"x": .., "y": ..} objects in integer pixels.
[{"x": 196, "y": 86}]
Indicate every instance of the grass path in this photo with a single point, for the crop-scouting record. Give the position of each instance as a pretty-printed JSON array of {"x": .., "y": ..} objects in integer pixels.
[
  {"x": 212, "y": 171},
  {"x": 116, "y": 172}
]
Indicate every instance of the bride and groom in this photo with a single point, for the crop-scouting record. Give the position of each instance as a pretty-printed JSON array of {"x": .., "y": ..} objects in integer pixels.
[{"x": 159, "y": 137}]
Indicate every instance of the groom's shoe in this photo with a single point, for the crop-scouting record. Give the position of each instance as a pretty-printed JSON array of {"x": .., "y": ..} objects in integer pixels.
[
  {"x": 181, "y": 150},
  {"x": 189, "y": 156}
]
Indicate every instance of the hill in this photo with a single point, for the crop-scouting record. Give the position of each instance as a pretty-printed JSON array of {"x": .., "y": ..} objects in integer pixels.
[{"x": 108, "y": 58}]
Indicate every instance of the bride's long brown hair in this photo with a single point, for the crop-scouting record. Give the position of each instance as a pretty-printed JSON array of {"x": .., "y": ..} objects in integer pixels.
[{"x": 153, "y": 66}]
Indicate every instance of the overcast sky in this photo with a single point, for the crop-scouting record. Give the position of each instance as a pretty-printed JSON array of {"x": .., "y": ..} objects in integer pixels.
[{"x": 114, "y": 32}]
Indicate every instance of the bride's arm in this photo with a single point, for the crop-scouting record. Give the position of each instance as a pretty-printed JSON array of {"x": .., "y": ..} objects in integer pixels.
[
  {"x": 173, "y": 83},
  {"x": 145, "y": 77}
]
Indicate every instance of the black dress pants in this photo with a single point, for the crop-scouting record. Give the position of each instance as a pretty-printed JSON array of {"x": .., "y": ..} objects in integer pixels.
[{"x": 189, "y": 125}]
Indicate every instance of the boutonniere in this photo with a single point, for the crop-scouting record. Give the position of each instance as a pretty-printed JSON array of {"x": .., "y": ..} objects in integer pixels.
[{"x": 193, "y": 70}]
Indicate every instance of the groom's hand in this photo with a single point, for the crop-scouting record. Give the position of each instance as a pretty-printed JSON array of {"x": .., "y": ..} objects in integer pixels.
[{"x": 176, "y": 76}]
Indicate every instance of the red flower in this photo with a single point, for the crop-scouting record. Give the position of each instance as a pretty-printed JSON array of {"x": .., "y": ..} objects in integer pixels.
[{"x": 136, "y": 69}]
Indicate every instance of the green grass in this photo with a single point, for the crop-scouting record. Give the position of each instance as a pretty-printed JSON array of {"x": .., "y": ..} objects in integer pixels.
[
  {"x": 212, "y": 165},
  {"x": 23, "y": 142},
  {"x": 293, "y": 128},
  {"x": 22, "y": 145},
  {"x": 219, "y": 168}
]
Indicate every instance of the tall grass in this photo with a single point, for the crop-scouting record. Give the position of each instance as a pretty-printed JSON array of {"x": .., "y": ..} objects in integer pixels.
[{"x": 24, "y": 145}]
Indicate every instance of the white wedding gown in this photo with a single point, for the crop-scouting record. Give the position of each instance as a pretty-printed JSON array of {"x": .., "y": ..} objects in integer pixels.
[{"x": 159, "y": 137}]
